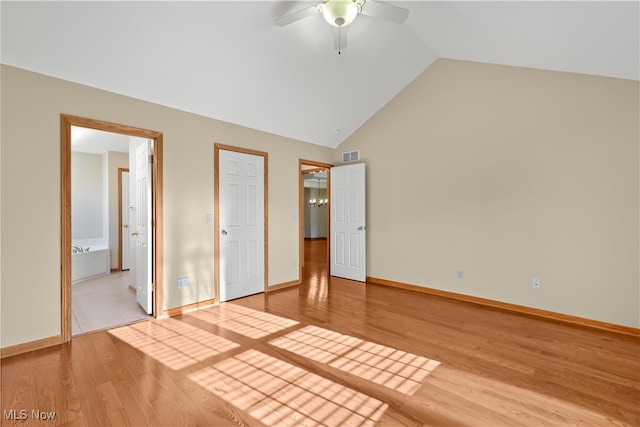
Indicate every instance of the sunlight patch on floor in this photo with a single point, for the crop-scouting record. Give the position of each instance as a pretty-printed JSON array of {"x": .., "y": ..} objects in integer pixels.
[
  {"x": 318, "y": 288},
  {"x": 317, "y": 344},
  {"x": 277, "y": 393},
  {"x": 387, "y": 366},
  {"x": 172, "y": 342},
  {"x": 245, "y": 321}
]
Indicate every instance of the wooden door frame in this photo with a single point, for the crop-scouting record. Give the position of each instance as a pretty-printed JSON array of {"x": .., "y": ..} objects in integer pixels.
[
  {"x": 216, "y": 201},
  {"x": 301, "y": 202},
  {"x": 66, "y": 121},
  {"x": 120, "y": 172}
]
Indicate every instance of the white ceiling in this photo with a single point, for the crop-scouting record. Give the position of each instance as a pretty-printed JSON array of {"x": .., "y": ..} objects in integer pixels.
[
  {"x": 227, "y": 60},
  {"x": 93, "y": 141}
]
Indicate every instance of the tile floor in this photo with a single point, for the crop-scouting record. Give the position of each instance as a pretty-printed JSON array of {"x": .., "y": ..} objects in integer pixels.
[{"x": 103, "y": 302}]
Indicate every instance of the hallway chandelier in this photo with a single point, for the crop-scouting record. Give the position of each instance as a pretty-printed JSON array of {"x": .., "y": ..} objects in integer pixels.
[{"x": 318, "y": 203}]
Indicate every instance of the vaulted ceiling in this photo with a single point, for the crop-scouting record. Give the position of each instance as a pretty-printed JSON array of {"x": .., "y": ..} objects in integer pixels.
[{"x": 227, "y": 60}]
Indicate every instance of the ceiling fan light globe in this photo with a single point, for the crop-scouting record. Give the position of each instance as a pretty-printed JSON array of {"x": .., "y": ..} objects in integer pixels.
[{"x": 340, "y": 13}]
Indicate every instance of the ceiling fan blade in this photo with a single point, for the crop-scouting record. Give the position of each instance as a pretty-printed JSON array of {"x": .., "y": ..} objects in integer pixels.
[
  {"x": 385, "y": 11},
  {"x": 339, "y": 38},
  {"x": 298, "y": 15}
]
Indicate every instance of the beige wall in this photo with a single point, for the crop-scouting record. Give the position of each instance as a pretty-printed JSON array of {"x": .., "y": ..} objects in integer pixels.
[
  {"x": 509, "y": 174},
  {"x": 30, "y": 135}
]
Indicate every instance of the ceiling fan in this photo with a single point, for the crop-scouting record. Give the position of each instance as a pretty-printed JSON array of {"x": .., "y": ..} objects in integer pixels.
[{"x": 340, "y": 13}]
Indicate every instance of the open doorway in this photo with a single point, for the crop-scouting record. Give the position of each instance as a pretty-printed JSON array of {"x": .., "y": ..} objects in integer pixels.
[
  {"x": 94, "y": 155},
  {"x": 314, "y": 215}
]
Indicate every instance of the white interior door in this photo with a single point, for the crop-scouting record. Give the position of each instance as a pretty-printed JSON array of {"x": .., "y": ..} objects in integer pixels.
[
  {"x": 241, "y": 224},
  {"x": 124, "y": 211},
  {"x": 348, "y": 222},
  {"x": 143, "y": 232}
]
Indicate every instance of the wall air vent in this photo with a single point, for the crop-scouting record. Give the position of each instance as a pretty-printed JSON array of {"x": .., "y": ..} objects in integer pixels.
[{"x": 351, "y": 156}]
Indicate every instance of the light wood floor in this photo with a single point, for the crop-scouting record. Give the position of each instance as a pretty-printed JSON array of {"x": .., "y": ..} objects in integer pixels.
[{"x": 333, "y": 352}]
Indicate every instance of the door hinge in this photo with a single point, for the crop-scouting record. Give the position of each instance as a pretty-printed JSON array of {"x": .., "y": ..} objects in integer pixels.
[{"x": 151, "y": 158}]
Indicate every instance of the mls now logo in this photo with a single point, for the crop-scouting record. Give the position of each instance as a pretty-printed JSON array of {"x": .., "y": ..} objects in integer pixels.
[{"x": 23, "y": 414}]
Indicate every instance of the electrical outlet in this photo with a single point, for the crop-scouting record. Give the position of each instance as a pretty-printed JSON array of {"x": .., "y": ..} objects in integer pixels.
[
  {"x": 183, "y": 282},
  {"x": 535, "y": 284},
  {"x": 460, "y": 273}
]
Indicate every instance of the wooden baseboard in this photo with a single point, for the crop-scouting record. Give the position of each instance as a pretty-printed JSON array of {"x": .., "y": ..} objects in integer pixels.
[
  {"x": 132, "y": 289},
  {"x": 189, "y": 307},
  {"x": 529, "y": 311},
  {"x": 13, "y": 350},
  {"x": 283, "y": 285},
  {"x": 198, "y": 305}
]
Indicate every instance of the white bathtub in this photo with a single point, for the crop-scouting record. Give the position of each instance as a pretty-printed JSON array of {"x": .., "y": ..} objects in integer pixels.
[{"x": 94, "y": 261}]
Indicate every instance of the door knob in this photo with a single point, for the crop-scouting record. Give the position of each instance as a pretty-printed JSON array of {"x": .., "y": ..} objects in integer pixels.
[
  {"x": 224, "y": 232},
  {"x": 134, "y": 233},
  {"x": 361, "y": 228}
]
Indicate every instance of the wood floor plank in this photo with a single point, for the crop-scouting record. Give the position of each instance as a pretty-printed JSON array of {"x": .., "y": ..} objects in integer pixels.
[
  {"x": 43, "y": 378},
  {"x": 332, "y": 352}
]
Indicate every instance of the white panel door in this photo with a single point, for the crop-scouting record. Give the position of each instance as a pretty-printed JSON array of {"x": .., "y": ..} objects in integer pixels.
[
  {"x": 124, "y": 233},
  {"x": 348, "y": 222},
  {"x": 241, "y": 220},
  {"x": 143, "y": 232}
]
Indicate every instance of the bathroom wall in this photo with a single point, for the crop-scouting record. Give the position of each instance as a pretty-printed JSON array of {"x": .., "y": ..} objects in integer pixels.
[{"x": 86, "y": 196}]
